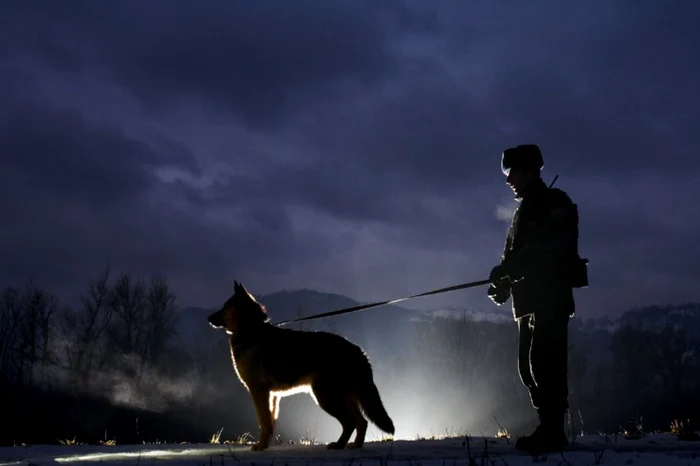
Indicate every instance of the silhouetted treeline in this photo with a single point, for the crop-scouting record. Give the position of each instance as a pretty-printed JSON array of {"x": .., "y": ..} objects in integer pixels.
[
  {"x": 111, "y": 367},
  {"x": 117, "y": 365}
]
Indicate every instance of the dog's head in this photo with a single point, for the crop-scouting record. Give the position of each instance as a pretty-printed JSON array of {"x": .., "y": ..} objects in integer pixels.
[{"x": 239, "y": 312}]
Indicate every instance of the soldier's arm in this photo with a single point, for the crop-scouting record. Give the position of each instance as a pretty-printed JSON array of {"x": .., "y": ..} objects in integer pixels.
[{"x": 549, "y": 245}]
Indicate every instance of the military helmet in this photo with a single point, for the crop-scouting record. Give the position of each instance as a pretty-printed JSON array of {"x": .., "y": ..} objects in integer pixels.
[{"x": 522, "y": 156}]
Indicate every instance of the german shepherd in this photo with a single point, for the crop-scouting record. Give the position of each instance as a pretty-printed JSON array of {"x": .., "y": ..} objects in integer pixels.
[{"x": 273, "y": 362}]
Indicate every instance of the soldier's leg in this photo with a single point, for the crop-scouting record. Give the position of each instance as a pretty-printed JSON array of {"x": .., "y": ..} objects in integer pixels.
[
  {"x": 525, "y": 331},
  {"x": 548, "y": 359}
]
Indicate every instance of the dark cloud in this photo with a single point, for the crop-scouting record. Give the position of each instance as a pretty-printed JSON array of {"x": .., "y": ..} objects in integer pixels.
[
  {"x": 261, "y": 60},
  {"x": 343, "y": 146},
  {"x": 79, "y": 196},
  {"x": 615, "y": 97},
  {"x": 55, "y": 150}
]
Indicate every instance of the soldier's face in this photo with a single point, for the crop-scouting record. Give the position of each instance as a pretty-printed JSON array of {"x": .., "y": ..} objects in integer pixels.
[{"x": 519, "y": 179}]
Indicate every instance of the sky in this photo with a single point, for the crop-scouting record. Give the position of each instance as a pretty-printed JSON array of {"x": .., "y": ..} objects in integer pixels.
[{"x": 348, "y": 146}]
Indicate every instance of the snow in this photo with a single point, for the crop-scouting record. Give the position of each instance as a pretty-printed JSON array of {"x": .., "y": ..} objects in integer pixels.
[{"x": 652, "y": 449}]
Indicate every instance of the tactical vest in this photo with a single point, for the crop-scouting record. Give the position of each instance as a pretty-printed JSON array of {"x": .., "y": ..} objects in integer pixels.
[{"x": 535, "y": 208}]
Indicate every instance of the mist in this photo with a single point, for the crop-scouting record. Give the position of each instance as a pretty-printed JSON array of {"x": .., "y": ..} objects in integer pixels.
[
  {"x": 127, "y": 363},
  {"x": 505, "y": 209}
]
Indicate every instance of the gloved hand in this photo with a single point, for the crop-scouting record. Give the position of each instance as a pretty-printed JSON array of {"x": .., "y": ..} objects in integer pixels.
[
  {"x": 499, "y": 294},
  {"x": 498, "y": 274}
]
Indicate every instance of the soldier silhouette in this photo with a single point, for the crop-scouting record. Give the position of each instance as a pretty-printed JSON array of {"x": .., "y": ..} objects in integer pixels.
[{"x": 539, "y": 268}]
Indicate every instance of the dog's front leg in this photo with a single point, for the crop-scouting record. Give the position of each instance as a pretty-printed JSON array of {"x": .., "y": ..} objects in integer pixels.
[
  {"x": 274, "y": 408},
  {"x": 261, "y": 400}
]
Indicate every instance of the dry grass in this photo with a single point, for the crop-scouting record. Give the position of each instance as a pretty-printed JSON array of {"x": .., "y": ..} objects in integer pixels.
[
  {"x": 73, "y": 442},
  {"x": 503, "y": 433},
  {"x": 684, "y": 430},
  {"x": 308, "y": 440},
  {"x": 450, "y": 433},
  {"x": 216, "y": 437},
  {"x": 243, "y": 439},
  {"x": 634, "y": 429}
]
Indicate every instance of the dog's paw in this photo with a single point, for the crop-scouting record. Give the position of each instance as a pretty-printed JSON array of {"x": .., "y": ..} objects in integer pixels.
[
  {"x": 354, "y": 445},
  {"x": 258, "y": 447},
  {"x": 335, "y": 446}
]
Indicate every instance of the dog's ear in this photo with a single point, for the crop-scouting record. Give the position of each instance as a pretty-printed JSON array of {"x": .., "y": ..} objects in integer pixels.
[{"x": 242, "y": 290}]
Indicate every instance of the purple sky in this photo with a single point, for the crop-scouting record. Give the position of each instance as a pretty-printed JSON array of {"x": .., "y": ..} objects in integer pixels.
[{"x": 346, "y": 146}]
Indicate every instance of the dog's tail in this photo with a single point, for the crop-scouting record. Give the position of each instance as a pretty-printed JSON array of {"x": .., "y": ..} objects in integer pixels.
[{"x": 372, "y": 405}]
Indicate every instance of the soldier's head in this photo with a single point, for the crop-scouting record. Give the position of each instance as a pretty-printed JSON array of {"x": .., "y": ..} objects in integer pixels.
[{"x": 521, "y": 165}]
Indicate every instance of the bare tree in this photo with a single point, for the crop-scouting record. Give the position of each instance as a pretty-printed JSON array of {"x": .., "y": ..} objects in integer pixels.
[
  {"x": 143, "y": 324},
  {"x": 83, "y": 331},
  {"x": 37, "y": 308},
  {"x": 632, "y": 361},
  {"x": 10, "y": 313},
  {"x": 579, "y": 367},
  {"x": 25, "y": 331},
  {"x": 160, "y": 320},
  {"x": 674, "y": 356},
  {"x": 125, "y": 335}
]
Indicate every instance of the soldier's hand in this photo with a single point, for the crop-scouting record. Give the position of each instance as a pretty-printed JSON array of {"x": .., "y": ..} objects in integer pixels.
[
  {"x": 498, "y": 294},
  {"x": 498, "y": 274}
]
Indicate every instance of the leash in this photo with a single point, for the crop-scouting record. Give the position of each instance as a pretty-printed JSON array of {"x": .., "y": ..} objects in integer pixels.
[
  {"x": 384, "y": 303},
  {"x": 393, "y": 301}
]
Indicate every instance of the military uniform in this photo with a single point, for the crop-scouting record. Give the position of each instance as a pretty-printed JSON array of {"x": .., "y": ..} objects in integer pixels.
[
  {"x": 541, "y": 247},
  {"x": 540, "y": 259}
]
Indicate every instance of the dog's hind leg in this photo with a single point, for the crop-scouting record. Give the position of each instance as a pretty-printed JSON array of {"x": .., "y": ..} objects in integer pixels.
[
  {"x": 261, "y": 400},
  {"x": 360, "y": 423},
  {"x": 337, "y": 406}
]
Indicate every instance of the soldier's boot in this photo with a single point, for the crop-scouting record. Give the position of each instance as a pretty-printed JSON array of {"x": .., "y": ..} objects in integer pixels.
[{"x": 548, "y": 437}]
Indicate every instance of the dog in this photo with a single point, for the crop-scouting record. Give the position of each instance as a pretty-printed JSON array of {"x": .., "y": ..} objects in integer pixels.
[{"x": 273, "y": 362}]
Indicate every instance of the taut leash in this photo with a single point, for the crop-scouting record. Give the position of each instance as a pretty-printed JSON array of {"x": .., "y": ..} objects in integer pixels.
[{"x": 385, "y": 303}]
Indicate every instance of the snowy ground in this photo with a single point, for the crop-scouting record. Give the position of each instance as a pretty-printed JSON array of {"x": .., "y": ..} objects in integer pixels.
[{"x": 653, "y": 449}]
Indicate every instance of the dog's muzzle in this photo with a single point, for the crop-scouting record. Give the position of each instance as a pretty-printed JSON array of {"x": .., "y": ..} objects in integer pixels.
[{"x": 216, "y": 320}]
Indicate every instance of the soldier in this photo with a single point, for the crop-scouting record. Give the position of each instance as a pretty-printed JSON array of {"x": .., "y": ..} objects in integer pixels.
[{"x": 539, "y": 268}]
